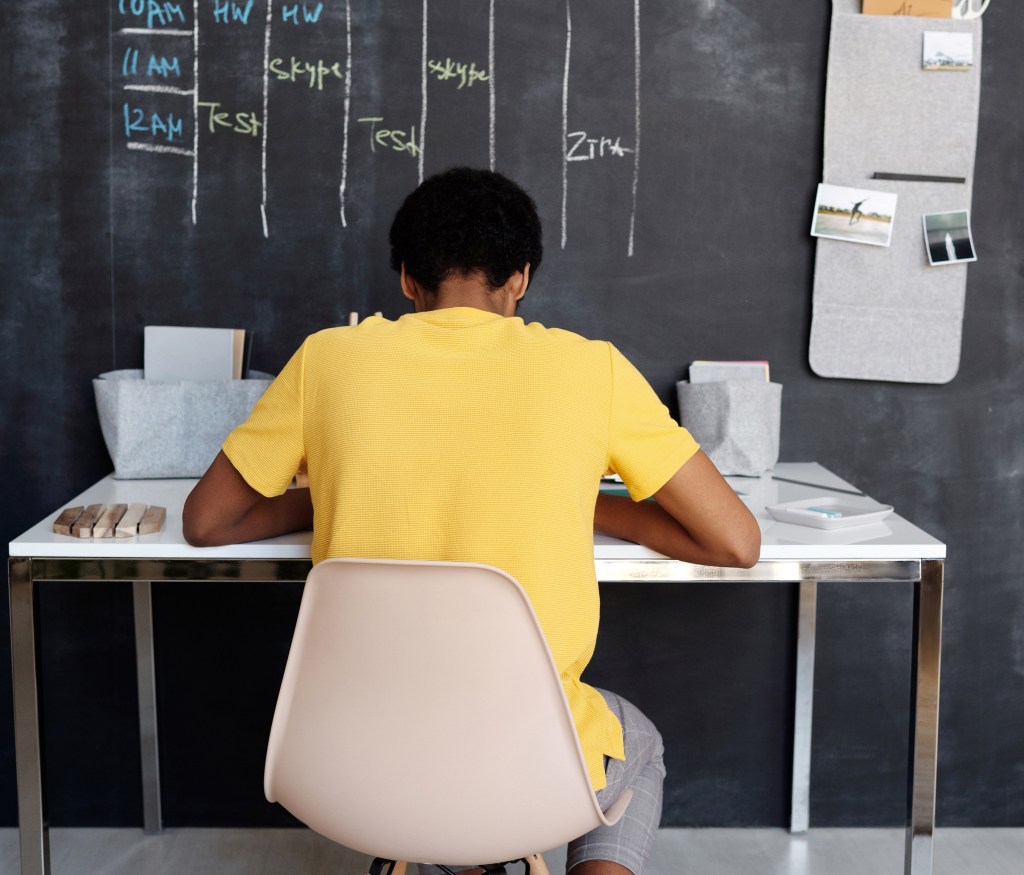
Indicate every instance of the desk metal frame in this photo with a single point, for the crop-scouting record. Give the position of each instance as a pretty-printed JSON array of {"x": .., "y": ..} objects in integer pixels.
[{"x": 926, "y": 575}]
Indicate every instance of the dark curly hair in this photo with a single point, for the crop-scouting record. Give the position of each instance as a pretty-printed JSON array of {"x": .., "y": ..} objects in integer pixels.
[{"x": 465, "y": 221}]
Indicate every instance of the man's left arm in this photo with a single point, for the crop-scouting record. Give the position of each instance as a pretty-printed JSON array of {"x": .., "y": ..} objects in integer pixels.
[{"x": 224, "y": 509}]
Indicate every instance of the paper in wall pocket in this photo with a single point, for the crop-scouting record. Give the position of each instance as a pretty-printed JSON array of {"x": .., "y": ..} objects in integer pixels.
[
  {"x": 911, "y": 8},
  {"x": 736, "y": 423},
  {"x": 172, "y": 428}
]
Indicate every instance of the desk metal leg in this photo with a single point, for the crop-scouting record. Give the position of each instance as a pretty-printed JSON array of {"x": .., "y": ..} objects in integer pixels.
[
  {"x": 32, "y": 826},
  {"x": 924, "y": 732},
  {"x": 799, "y": 812},
  {"x": 146, "y": 673}
]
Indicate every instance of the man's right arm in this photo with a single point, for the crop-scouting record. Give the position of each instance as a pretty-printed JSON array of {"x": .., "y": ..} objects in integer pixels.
[
  {"x": 224, "y": 509},
  {"x": 695, "y": 517}
]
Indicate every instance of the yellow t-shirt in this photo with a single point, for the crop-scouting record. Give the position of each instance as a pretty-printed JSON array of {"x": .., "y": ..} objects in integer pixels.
[{"x": 463, "y": 435}]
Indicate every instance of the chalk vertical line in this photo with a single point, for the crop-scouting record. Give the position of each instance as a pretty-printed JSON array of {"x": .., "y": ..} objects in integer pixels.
[
  {"x": 266, "y": 95},
  {"x": 490, "y": 82},
  {"x": 423, "y": 92},
  {"x": 348, "y": 103},
  {"x": 110, "y": 198},
  {"x": 636, "y": 122},
  {"x": 195, "y": 109},
  {"x": 565, "y": 117}
]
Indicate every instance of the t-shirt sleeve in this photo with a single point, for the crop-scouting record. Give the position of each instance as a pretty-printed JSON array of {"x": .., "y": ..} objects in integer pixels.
[
  {"x": 646, "y": 446},
  {"x": 268, "y": 447}
]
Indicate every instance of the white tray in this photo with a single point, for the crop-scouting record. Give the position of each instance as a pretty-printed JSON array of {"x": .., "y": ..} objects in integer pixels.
[{"x": 853, "y": 512}]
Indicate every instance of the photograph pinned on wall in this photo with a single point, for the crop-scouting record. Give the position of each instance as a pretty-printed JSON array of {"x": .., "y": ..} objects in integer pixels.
[
  {"x": 856, "y": 215},
  {"x": 947, "y": 50},
  {"x": 947, "y": 238}
]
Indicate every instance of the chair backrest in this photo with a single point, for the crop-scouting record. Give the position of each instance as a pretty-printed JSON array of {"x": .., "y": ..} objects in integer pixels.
[{"x": 421, "y": 717}]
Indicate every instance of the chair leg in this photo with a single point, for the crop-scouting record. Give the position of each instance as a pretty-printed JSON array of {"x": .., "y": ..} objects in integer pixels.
[
  {"x": 537, "y": 865},
  {"x": 382, "y": 866}
]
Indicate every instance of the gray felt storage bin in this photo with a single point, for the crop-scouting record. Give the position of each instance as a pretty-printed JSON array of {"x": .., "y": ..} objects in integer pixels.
[
  {"x": 159, "y": 429},
  {"x": 736, "y": 422}
]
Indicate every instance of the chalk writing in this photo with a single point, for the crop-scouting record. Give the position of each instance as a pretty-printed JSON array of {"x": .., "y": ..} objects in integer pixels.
[
  {"x": 163, "y": 67},
  {"x": 227, "y": 11},
  {"x": 156, "y": 13},
  {"x": 398, "y": 141},
  {"x": 160, "y": 66},
  {"x": 155, "y": 77},
  {"x": 239, "y": 122},
  {"x": 294, "y": 70},
  {"x": 290, "y": 12},
  {"x": 466, "y": 74},
  {"x": 157, "y": 126},
  {"x": 586, "y": 148}
]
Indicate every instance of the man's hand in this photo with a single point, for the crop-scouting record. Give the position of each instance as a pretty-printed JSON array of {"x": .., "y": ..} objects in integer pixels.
[
  {"x": 695, "y": 517},
  {"x": 224, "y": 509}
]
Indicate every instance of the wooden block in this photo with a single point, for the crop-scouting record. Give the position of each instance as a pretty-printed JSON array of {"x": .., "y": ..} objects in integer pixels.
[
  {"x": 129, "y": 524},
  {"x": 62, "y": 525},
  {"x": 82, "y": 527},
  {"x": 152, "y": 520},
  {"x": 108, "y": 520}
]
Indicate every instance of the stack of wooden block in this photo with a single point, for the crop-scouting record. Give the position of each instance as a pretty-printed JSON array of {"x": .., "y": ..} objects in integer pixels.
[{"x": 110, "y": 520}]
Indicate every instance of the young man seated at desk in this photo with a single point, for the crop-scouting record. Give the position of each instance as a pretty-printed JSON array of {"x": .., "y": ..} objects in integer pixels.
[{"x": 459, "y": 432}]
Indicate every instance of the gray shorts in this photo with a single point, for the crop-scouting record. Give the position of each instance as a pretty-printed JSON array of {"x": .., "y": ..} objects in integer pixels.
[{"x": 629, "y": 841}]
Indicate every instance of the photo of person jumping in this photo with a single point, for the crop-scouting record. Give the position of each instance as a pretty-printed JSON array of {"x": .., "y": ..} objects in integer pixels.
[
  {"x": 856, "y": 212},
  {"x": 839, "y": 213}
]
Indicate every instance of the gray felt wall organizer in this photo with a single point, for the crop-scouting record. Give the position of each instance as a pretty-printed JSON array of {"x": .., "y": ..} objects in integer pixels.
[
  {"x": 884, "y": 313},
  {"x": 157, "y": 429},
  {"x": 736, "y": 422}
]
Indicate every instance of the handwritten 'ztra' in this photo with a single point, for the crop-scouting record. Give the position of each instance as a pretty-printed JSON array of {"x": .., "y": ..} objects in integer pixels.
[{"x": 467, "y": 74}]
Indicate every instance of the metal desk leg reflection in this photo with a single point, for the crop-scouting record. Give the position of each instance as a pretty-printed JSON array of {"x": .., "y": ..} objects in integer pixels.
[
  {"x": 799, "y": 812},
  {"x": 146, "y": 675},
  {"x": 924, "y": 729},
  {"x": 32, "y": 826}
]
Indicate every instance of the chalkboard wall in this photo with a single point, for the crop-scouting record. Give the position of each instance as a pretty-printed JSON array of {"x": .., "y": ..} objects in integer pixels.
[{"x": 262, "y": 201}]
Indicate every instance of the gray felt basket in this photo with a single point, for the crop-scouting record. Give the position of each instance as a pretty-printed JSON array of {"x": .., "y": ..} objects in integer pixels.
[
  {"x": 156, "y": 429},
  {"x": 736, "y": 422}
]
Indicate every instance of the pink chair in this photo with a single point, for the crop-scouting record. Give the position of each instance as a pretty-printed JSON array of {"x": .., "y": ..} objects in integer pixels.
[{"x": 421, "y": 719}]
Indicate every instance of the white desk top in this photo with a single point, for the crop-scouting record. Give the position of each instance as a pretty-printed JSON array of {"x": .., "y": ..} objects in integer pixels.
[{"x": 893, "y": 538}]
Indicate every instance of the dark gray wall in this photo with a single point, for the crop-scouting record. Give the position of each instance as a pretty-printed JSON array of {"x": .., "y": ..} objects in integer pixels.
[{"x": 98, "y": 241}]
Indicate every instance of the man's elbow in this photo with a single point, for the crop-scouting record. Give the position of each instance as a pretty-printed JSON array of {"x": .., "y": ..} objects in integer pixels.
[
  {"x": 747, "y": 556},
  {"x": 746, "y": 549},
  {"x": 197, "y": 534},
  {"x": 740, "y": 545},
  {"x": 202, "y": 529}
]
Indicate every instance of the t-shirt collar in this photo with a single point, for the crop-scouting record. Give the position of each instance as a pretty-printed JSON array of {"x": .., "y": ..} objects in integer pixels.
[{"x": 456, "y": 317}]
